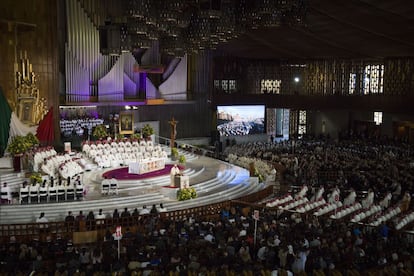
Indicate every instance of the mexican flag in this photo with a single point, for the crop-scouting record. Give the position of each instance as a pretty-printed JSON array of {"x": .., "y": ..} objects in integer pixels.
[{"x": 10, "y": 126}]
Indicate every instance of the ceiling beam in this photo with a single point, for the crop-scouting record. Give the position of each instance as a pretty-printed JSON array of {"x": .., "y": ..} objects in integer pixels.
[{"x": 361, "y": 28}]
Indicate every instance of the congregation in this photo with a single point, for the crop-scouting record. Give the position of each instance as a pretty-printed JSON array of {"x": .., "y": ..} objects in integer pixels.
[{"x": 284, "y": 241}]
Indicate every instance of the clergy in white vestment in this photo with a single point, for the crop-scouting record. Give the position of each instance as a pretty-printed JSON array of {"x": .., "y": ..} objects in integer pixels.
[
  {"x": 369, "y": 200},
  {"x": 302, "y": 192},
  {"x": 350, "y": 199},
  {"x": 385, "y": 202},
  {"x": 161, "y": 209},
  {"x": 173, "y": 172},
  {"x": 319, "y": 194},
  {"x": 334, "y": 196}
]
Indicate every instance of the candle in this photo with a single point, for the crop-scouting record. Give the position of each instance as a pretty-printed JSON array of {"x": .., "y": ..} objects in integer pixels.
[{"x": 23, "y": 71}]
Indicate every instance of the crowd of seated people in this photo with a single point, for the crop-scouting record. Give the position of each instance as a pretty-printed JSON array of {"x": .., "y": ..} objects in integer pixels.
[
  {"x": 358, "y": 164},
  {"x": 63, "y": 165},
  {"x": 289, "y": 241},
  {"x": 39, "y": 155},
  {"x": 79, "y": 125},
  {"x": 227, "y": 245},
  {"x": 123, "y": 152}
]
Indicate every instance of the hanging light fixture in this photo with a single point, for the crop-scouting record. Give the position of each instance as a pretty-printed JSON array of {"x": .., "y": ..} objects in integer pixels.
[{"x": 190, "y": 26}]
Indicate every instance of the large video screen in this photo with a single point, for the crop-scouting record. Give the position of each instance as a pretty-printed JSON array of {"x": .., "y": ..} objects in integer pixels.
[{"x": 240, "y": 119}]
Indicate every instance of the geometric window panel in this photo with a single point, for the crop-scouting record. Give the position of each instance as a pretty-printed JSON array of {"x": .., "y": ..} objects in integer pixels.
[
  {"x": 232, "y": 86},
  {"x": 270, "y": 86},
  {"x": 224, "y": 85},
  {"x": 373, "y": 79},
  {"x": 378, "y": 117},
  {"x": 217, "y": 84},
  {"x": 302, "y": 130},
  {"x": 352, "y": 83},
  {"x": 302, "y": 122}
]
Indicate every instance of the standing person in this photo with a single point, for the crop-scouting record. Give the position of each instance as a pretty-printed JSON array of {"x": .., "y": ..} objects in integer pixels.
[
  {"x": 84, "y": 258},
  {"x": 125, "y": 216},
  {"x": 42, "y": 220},
  {"x": 162, "y": 209},
  {"x": 300, "y": 261},
  {"x": 115, "y": 214},
  {"x": 144, "y": 210},
  {"x": 154, "y": 210},
  {"x": 80, "y": 221},
  {"x": 174, "y": 171},
  {"x": 100, "y": 218},
  {"x": 90, "y": 220},
  {"x": 69, "y": 221}
]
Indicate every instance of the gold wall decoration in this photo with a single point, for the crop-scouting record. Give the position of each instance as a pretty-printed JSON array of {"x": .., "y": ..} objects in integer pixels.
[{"x": 30, "y": 108}]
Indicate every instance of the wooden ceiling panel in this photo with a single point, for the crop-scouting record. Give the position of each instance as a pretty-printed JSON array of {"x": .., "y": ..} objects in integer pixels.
[{"x": 337, "y": 29}]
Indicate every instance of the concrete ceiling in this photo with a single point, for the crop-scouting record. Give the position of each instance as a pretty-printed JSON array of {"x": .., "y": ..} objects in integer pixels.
[{"x": 336, "y": 29}]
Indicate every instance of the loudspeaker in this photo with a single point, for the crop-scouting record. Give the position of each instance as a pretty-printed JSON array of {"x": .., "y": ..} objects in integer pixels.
[
  {"x": 215, "y": 136},
  {"x": 110, "y": 39}
]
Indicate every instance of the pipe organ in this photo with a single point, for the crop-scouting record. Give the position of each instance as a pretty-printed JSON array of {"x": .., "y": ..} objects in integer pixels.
[{"x": 85, "y": 66}]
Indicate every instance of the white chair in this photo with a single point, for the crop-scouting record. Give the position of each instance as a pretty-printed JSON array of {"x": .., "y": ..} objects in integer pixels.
[
  {"x": 105, "y": 184},
  {"x": 113, "y": 186},
  {"x": 53, "y": 193},
  {"x": 5, "y": 195},
  {"x": 24, "y": 195},
  {"x": 34, "y": 193},
  {"x": 79, "y": 190},
  {"x": 43, "y": 194},
  {"x": 70, "y": 192},
  {"x": 61, "y": 192}
]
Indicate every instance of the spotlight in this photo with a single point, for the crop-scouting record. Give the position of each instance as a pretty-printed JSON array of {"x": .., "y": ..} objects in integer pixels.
[
  {"x": 296, "y": 79},
  {"x": 127, "y": 107}
]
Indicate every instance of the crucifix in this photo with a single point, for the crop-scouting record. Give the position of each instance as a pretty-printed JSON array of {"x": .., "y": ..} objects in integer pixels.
[{"x": 173, "y": 123}]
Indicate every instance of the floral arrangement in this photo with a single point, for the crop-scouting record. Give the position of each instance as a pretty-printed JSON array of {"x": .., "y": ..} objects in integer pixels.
[
  {"x": 119, "y": 136},
  {"x": 262, "y": 169},
  {"x": 31, "y": 138},
  {"x": 100, "y": 132},
  {"x": 35, "y": 178},
  {"x": 19, "y": 145},
  {"x": 259, "y": 175},
  {"x": 186, "y": 193},
  {"x": 174, "y": 153},
  {"x": 135, "y": 136},
  {"x": 147, "y": 131},
  {"x": 181, "y": 159}
]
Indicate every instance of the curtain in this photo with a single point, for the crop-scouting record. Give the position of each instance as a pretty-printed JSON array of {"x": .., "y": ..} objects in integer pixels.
[
  {"x": 5, "y": 115},
  {"x": 45, "y": 131}
]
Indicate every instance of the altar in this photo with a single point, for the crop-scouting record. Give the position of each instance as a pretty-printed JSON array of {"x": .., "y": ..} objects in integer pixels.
[{"x": 146, "y": 165}]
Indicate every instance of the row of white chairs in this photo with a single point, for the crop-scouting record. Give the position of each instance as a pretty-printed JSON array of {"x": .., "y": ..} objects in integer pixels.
[
  {"x": 109, "y": 186},
  {"x": 37, "y": 193}
]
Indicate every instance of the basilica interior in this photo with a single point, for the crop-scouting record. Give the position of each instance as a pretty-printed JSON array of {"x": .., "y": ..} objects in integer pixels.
[{"x": 297, "y": 110}]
